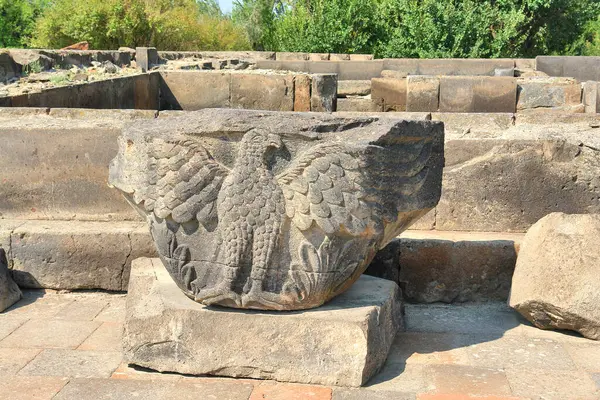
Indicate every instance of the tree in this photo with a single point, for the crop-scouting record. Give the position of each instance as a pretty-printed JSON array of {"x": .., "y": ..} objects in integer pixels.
[
  {"x": 17, "y": 21},
  {"x": 165, "y": 24}
]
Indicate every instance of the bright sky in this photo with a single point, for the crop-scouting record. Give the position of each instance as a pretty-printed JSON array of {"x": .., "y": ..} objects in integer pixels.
[{"x": 225, "y": 5}]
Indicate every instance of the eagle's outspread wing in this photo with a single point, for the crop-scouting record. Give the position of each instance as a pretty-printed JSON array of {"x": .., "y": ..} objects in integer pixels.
[
  {"x": 341, "y": 188},
  {"x": 184, "y": 181}
]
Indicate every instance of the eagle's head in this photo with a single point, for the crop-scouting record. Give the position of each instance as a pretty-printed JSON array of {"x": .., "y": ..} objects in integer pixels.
[{"x": 259, "y": 142}]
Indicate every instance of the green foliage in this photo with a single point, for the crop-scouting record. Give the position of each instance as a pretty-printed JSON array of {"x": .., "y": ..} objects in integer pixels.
[
  {"x": 421, "y": 28},
  {"x": 165, "y": 24},
  {"x": 34, "y": 67},
  {"x": 17, "y": 21},
  {"x": 337, "y": 26},
  {"x": 589, "y": 42}
]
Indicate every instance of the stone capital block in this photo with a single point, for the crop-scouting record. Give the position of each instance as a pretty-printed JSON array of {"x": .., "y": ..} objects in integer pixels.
[
  {"x": 343, "y": 343},
  {"x": 390, "y": 93},
  {"x": 478, "y": 94},
  {"x": 422, "y": 93},
  {"x": 276, "y": 211}
]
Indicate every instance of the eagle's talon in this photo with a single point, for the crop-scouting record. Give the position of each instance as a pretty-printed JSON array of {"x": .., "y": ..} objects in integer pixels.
[{"x": 217, "y": 294}]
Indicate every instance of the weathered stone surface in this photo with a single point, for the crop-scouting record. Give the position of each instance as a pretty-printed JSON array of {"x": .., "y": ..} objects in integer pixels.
[
  {"x": 276, "y": 211},
  {"x": 580, "y": 68},
  {"x": 30, "y": 58},
  {"x": 557, "y": 277},
  {"x": 453, "y": 267},
  {"x": 342, "y": 343},
  {"x": 323, "y": 97},
  {"x": 302, "y": 87},
  {"x": 591, "y": 97},
  {"x": 507, "y": 184},
  {"x": 82, "y": 255},
  {"x": 72, "y": 184},
  {"x": 146, "y": 58},
  {"x": 353, "y": 88},
  {"x": 422, "y": 93},
  {"x": 478, "y": 124},
  {"x": 9, "y": 291},
  {"x": 478, "y": 94},
  {"x": 553, "y": 93},
  {"x": 389, "y": 93},
  {"x": 262, "y": 92},
  {"x": 190, "y": 91},
  {"x": 287, "y": 56},
  {"x": 358, "y": 105},
  {"x": 8, "y": 68},
  {"x": 448, "y": 67}
]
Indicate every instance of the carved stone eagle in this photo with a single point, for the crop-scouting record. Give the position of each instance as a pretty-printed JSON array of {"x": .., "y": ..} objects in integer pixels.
[{"x": 277, "y": 215}]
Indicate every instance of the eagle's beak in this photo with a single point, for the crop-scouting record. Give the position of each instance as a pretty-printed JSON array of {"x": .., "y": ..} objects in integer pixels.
[{"x": 275, "y": 141}]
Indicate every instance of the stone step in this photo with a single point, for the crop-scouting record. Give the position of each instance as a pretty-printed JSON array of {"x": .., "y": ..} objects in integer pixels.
[
  {"x": 438, "y": 266},
  {"x": 431, "y": 266},
  {"x": 74, "y": 255}
]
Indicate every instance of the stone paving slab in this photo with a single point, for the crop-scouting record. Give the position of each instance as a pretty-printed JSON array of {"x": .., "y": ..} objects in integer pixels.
[
  {"x": 30, "y": 387},
  {"x": 51, "y": 333},
  {"x": 449, "y": 352},
  {"x": 73, "y": 363},
  {"x": 13, "y": 360},
  {"x": 106, "y": 338}
]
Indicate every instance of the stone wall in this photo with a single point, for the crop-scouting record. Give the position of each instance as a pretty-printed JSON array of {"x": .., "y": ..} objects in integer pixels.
[{"x": 128, "y": 92}]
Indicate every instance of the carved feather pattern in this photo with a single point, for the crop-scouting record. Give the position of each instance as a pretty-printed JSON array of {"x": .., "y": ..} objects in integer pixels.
[{"x": 184, "y": 181}]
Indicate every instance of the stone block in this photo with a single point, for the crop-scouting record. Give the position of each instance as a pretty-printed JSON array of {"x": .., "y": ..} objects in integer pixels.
[
  {"x": 524, "y": 180},
  {"x": 323, "y": 96},
  {"x": 336, "y": 344},
  {"x": 551, "y": 93},
  {"x": 422, "y": 93},
  {"x": 8, "y": 68},
  {"x": 31, "y": 387},
  {"x": 358, "y": 105},
  {"x": 408, "y": 116},
  {"x": 354, "y": 88},
  {"x": 82, "y": 255},
  {"x": 450, "y": 267},
  {"x": 339, "y": 57},
  {"x": 389, "y": 93},
  {"x": 146, "y": 58},
  {"x": 44, "y": 333},
  {"x": 388, "y": 73},
  {"x": 72, "y": 184},
  {"x": 28, "y": 58},
  {"x": 580, "y": 68},
  {"x": 359, "y": 70},
  {"x": 296, "y": 66},
  {"x": 477, "y": 124},
  {"x": 287, "y": 56},
  {"x": 591, "y": 97},
  {"x": 302, "y": 88},
  {"x": 478, "y": 94},
  {"x": 262, "y": 92},
  {"x": 9, "y": 291},
  {"x": 318, "y": 57},
  {"x": 448, "y": 67},
  {"x": 524, "y": 63},
  {"x": 361, "y": 57},
  {"x": 556, "y": 280},
  {"x": 191, "y": 91}
]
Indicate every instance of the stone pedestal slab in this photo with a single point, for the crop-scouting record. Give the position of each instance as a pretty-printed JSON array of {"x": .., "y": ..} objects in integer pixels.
[{"x": 344, "y": 342}]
